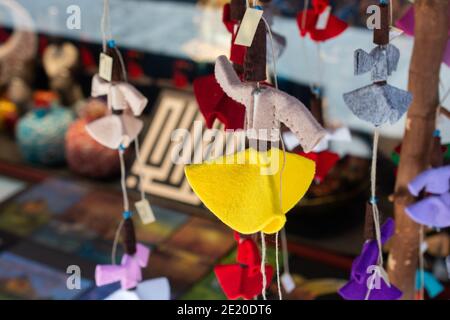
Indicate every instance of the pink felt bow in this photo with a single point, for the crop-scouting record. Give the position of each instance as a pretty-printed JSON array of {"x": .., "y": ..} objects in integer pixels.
[
  {"x": 121, "y": 95},
  {"x": 128, "y": 272}
]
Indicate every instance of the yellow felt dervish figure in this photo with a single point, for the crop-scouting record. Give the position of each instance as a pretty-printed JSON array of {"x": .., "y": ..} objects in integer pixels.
[{"x": 243, "y": 189}]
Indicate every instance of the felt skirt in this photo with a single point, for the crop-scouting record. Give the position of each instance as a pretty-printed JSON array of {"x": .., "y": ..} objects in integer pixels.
[
  {"x": 243, "y": 189},
  {"x": 378, "y": 104}
]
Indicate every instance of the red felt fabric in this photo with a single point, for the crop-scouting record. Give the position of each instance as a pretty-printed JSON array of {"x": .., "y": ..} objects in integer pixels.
[
  {"x": 237, "y": 53},
  {"x": 243, "y": 279},
  {"x": 334, "y": 27},
  {"x": 325, "y": 161},
  {"x": 215, "y": 104}
]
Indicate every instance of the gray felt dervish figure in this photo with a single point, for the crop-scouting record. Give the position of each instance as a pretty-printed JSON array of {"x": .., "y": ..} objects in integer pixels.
[{"x": 379, "y": 102}]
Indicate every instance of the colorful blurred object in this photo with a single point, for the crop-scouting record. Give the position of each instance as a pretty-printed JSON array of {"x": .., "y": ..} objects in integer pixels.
[
  {"x": 40, "y": 133},
  {"x": 85, "y": 156},
  {"x": 8, "y": 115}
]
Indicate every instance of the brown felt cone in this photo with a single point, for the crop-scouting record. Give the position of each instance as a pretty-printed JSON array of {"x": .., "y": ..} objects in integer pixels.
[
  {"x": 381, "y": 36},
  {"x": 369, "y": 225},
  {"x": 237, "y": 9},
  {"x": 117, "y": 72},
  {"x": 129, "y": 240},
  {"x": 255, "y": 58}
]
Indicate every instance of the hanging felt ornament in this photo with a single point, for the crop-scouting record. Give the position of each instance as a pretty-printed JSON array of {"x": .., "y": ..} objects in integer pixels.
[
  {"x": 8, "y": 115},
  {"x": 266, "y": 107},
  {"x": 319, "y": 23},
  {"x": 232, "y": 15},
  {"x": 407, "y": 23},
  {"x": 125, "y": 103},
  {"x": 243, "y": 189},
  {"x": 128, "y": 273},
  {"x": 117, "y": 131},
  {"x": 244, "y": 278},
  {"x": 379, "y": 102},
  {"x": 433, "y": 210},
  {"x": 435, "y": 181},
  {"x": 368, "y": 281}
]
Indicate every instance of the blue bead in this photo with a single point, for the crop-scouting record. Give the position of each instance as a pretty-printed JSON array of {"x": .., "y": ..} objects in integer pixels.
[
  {"x": 373, "y": 200},
  {"x": 437, "y": 133},
  {"x": 127, "y": 214},
  {"x": 111, "y": 43}
]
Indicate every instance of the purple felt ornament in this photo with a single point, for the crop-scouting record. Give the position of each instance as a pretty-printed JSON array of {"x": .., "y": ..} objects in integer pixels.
[
  {"x": 433, "y": 211},
  {"x": 407, "y": 24},
  {"x": 128, "y": 272},
  {"x": 366, "y": 274},
  {"x": 435, "y": 181}
]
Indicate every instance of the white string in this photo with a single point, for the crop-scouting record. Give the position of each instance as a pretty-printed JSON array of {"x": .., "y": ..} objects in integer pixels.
[
  {"x": 105, "y": 26},
  {"x": 122, "y": 64},
  {"x": 263, "y": 266},
  {"x": 126, "y": 205},
  {"x": 373, "y": 181},
  {"x": 275, "y": 76}
]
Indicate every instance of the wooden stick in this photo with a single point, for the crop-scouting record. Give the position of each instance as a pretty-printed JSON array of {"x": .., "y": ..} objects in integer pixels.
[{"x": 431, "y": 29}]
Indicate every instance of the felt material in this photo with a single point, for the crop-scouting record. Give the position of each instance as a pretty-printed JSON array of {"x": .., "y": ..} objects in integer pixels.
[
  {"x": 128, "y": 272},
  {"x": 113, "y": 130},
  {"x": 243, "y": 189},
  {"x": 378, "y": 104},
  {"x": 153, "y": 289},
  {"x": 357, "y": 287},
  {"x": 255, "y": 56},
  {"x": 325, "y": 161},
  {"x": 121, "y": 95},
  {"x": 334, "y": 27},
  {"x": 435, "y": 181},
  {"x": 433, "y": 211},
  {"x": 215, "y": 104},
  {"x": 382, "y": 61},
  {"x": 407, "y": 23},
  {"x": 244, "y": 278},
  {"x": 369, "y": 224},
  {"x": 431, "y": 284},
  {"x": 268, "y": 107},
  {"x": 381, "y": 35},
  {"x": 237, "y": 52}
]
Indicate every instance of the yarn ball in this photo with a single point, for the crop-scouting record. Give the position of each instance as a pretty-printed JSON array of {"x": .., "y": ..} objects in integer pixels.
[
  {"x": 85, "y": 156},
  {"x": 40, "y": 135}
]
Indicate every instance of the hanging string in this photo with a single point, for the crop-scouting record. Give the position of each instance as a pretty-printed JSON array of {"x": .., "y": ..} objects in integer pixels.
[
  {"x": 263, "y": 266},
  {"x": 275, "y": 76},
  {"x": 105, "y": 25}
]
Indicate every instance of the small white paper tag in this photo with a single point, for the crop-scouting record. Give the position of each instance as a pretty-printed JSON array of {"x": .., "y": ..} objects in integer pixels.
[
  {"x": 105, "y": 67},
  {"x": 287, "y": 282},
  {"x": 322, "y": 20},
  {"x": 394, "y": 33},
  {"x": 145, "y": 211},
  {"x": 248, "y": 27}
]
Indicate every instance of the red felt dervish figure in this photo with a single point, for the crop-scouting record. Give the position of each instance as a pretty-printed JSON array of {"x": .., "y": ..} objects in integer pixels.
[
  {"x": 212, "y": 101},
  {"x": 319, "y": 23},
  {"x": 244, "y": 278},
  {"x": 325, "y": 161}
]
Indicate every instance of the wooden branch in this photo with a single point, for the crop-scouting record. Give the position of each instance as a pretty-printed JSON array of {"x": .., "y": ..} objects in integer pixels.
[{"x": 431, "y": 30}]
